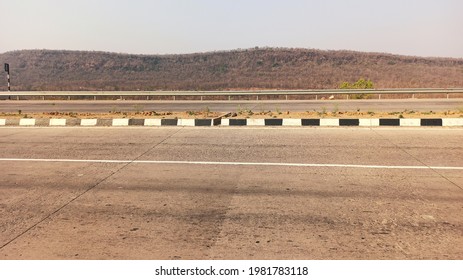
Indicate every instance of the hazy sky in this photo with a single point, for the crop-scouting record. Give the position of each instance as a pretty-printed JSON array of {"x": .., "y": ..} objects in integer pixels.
[{"x": 411, "y": 27}]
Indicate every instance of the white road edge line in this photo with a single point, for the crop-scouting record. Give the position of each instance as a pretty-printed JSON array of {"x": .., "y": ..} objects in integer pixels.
[{"x": 236, "y": 163}]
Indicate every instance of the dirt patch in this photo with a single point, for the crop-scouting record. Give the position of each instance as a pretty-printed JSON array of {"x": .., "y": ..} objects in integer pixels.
[
  {"x": 245, "y": 114},
  {"x": 117, "y": 115},
  {"x": 242, "y": 114}
]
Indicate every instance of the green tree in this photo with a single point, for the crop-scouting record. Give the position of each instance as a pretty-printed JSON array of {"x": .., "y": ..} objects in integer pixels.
[
  {"x": 360, "y": 84},
  {"x": 363, "y": 84},
  {"x": 345, "y": 85}
]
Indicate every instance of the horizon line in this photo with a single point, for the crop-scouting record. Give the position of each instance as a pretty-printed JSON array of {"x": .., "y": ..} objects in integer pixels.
[{"x": 237, "y": 50}]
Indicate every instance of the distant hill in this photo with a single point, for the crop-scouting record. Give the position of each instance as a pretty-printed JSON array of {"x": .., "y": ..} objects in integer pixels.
[{"x": 259, "y": 68}]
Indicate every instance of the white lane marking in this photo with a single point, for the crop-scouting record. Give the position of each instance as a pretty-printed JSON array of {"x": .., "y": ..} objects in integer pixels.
[{"x": 237, "y": 163}]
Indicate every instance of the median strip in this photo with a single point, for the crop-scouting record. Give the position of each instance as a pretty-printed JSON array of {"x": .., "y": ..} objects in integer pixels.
[{"x": 235, "y": 122}]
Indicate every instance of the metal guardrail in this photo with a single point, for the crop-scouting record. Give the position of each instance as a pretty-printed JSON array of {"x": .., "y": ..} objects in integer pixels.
[{"x": 257, "y": 93}]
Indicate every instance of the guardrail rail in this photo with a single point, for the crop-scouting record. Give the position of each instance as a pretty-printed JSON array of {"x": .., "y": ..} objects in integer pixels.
[{"x": 231, "y": 95}]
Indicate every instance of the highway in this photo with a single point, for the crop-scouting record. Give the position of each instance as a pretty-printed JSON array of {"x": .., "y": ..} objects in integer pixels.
[
  {"x": 231, "y": 193},
  {"x": 391, "y": 105}
]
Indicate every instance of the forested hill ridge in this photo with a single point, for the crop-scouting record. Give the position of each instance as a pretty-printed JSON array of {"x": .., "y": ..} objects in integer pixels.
[{"x": 258, "y": 68}]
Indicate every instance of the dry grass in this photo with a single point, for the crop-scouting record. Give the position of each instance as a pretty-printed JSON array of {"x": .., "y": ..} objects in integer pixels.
[
  {"x": 241, "y": 114},
  {"x": 240, "y": 69},
  {"x": 116, "y": 115},
  {"x": 345, "y": 115}
]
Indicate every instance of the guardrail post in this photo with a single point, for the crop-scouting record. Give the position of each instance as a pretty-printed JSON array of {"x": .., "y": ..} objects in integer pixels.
[
  {"x": 316, "y": 97},
  {"x": 347, "y": 96},
  {"x": 174, "y": 97},
  {"x": 229, "y": 97},
  {"x": 257, "y": 97},
  {"x": 413, "y": 96},
  {"x": 69, "y": 97},
  {"x": 286, "y": 97},
  {"x": 379, "y": 96},
  {"x": 447, "y": 95},
  {"x": 43, "y": 97},
  {"x": 201, "y": 98}
]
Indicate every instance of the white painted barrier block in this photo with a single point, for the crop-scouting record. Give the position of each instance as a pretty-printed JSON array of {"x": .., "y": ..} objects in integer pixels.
[
  {"x": 186, "y": 122},
  {"x": 88, "y": 122},
  {"x": 2, "y": 121},
  {"x": 255, "y": 122},
  {"x": 152, "y": 122},
  {"x": 292, "y": 122},
  {"x": 57, "y": 122},
  {"x": 27, "y": 122},
  {"x": 120, "y": 122},
  {"x": 329, "y": 122},
  {"x": 410, "y": 122},
  {"x": 452, "y": 122},
  {"x": 368, "y": 122},
  {"x": 225, "y": 122}
]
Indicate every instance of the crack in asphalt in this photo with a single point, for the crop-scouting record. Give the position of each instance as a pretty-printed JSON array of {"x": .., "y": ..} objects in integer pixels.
[
  {"x": 417, "y": 159},
  {"x": 225, "y": 215},
  {"x": 87, "y": 190}
]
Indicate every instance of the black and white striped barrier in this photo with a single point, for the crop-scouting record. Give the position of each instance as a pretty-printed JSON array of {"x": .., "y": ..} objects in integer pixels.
[
  {"x": 343, "y": 122},
  {"x": 109, "y": 122},
  {"x": 234, "y": 122}
]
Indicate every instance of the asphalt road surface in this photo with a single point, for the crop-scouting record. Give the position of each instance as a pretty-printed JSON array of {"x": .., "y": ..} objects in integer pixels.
[
  {"x": 231, "y": 193},
  {"x": 391, "y": 105}
]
